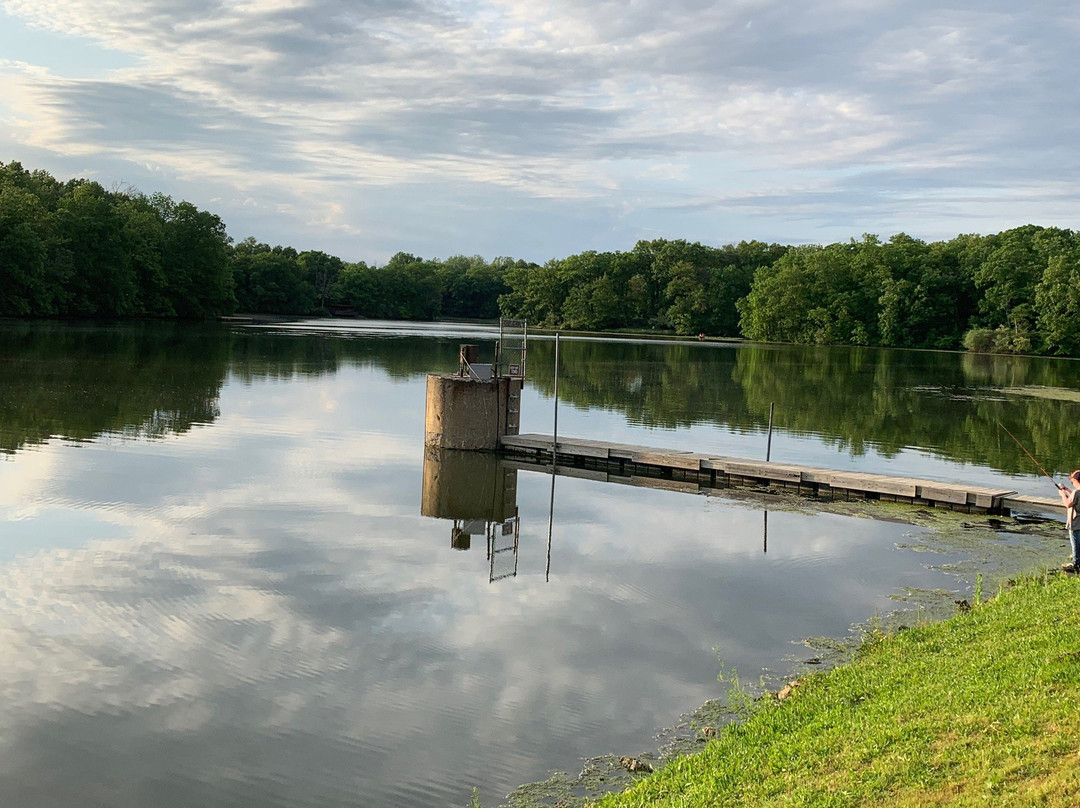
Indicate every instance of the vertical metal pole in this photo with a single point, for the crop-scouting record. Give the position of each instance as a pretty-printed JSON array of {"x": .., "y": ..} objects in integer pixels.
[
  {"x": 554, "y": 455},
  {"x": 768, "y": 445},
  {"x": 555, "y": 427},
  {"x": 551, "y": 520}
]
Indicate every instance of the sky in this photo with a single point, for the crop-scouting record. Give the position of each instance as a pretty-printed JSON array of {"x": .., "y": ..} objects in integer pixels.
[{"x": 537, "y": 130}]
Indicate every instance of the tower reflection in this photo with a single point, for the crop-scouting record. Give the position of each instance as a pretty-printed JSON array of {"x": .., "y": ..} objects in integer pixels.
[{"x": 477, "y": 492}]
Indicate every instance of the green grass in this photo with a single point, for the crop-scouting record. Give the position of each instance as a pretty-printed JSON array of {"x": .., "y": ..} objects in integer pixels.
[{"x": 982, "y": 709}]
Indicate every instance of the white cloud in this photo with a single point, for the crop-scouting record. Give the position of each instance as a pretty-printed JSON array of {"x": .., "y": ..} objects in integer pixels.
[
  {"x": 955, "y": 55},
  {"x": 320, "y": 113}
]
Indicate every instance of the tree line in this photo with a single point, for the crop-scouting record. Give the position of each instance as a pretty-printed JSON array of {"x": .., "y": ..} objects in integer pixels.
[
  {"x": 75, "y": 249},
  {"x": 1013, "y": 292},
  {"x": 279, "y": 280}
]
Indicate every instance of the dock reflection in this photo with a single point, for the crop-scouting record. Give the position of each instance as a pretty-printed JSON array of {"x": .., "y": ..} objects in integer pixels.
[{"x": 477, "y": 493}]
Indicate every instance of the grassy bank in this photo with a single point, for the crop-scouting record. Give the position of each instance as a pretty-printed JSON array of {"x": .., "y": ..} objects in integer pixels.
[{"x": 983, "y": 709}]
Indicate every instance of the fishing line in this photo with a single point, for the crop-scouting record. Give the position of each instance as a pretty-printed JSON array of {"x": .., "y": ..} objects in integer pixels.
[{"x": 1029, "y": 454}]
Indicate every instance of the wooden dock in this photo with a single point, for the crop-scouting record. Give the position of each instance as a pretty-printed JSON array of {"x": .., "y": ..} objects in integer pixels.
[{"x": 697, "y": 472}]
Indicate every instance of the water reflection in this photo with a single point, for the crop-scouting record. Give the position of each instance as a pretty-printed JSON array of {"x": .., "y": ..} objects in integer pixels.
[
  {"x": 132, "y": 381},
  {"x": 248, "y": 607},
  {"x": 154, "y": 380},
  {"x": 855, "y": 399},
  {"x": 477, "y": 493}
]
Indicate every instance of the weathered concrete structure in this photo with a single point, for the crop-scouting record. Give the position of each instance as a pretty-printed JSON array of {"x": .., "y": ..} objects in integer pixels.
[{"x": 468, "y": 413}]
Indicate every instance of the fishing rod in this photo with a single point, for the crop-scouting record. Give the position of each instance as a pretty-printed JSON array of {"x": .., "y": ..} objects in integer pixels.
[{"x": 1029, "y": 454}]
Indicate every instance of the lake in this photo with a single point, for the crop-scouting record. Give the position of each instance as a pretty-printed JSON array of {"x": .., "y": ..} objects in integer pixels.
[{"x": 217, "y": 586}]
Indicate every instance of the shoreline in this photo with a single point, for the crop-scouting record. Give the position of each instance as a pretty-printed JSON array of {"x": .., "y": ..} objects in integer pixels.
[
  {"x": 978, "y": 709},
  {"x": 605, "y": 781}
]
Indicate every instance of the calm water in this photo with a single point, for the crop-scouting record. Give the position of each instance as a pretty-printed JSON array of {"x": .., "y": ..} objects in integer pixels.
[{"x": 217, "y": 587}]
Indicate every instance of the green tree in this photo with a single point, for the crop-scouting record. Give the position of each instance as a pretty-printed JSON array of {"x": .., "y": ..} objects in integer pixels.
[
  {"x": 1007, "y": 278},
  {"x": 144, "y": 236},
  {"x": 593, "y": 305},
  {"x": 1057, "y": 300},
  {"x": 195, "y": 259},
  {"x": 823, "y": 295},
  {"x": 687, "y": 310},
  {"x": 359, "y": 286},
  {"x": 415, "y": 292},
  {"x": 90, "y": 229},
  {"x": 536, "y": 293},
  {"x": 321, "y": 272},
  {"x": 270, "y": 280},
  {"x": 778, "y": 304},
  {"x": 23, "y": 289},
  {"x": 39, "y": 183},
  {"x": 471, "y": 287},
  {"x": 407, "y": 288},
  {"x": 928, "y": 296}
]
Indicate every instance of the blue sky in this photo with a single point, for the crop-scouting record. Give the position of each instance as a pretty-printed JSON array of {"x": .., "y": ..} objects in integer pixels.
[{"x": 538, "y": 130}]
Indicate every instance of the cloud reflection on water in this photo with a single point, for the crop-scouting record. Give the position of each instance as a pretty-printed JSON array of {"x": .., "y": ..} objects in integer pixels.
[{"x": 273, "y": 621}]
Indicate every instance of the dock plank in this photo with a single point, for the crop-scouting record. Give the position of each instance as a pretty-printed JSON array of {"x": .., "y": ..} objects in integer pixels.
[
  {"x": 668, "y": 459},
  {"x": 717, "y": 463},
  {"x": 816, "y": 475},
  {"x": 988, "y": 498},
  {"x": 939, "y": 492},
  {"x": 764, "y": 470},
  {"x": 623, "y": 451},
  {"x": 1048, "y": 506},
  {"x": 897, "y": 487},
  {"x": 529, "y": 441},
  {"x": 583, "y": 449}
]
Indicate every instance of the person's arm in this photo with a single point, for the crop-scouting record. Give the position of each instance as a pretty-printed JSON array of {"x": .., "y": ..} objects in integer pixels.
[{"x": 1066, "y": 496}]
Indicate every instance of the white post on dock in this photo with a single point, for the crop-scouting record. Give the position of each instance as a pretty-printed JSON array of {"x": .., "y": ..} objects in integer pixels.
[
  {"x": 554, "y": 458},
  {"x": 768, "y": 444}
]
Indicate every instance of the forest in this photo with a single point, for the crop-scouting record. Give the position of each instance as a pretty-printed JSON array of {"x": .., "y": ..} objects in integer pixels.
[
  {"x": 73, "y": 249},
  {"x": 76, "y": 250}
]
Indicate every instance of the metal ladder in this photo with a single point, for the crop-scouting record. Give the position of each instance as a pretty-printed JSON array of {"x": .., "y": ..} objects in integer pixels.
[
  {"x": 512, "y": 347},
  {"x": 510, "y": 353},
  {"x": 509, "y": 530}
]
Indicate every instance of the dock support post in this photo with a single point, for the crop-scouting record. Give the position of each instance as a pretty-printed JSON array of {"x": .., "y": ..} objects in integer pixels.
[
  {"x": 768, "y": 444},
  {"x": 555, "y": 426}
]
